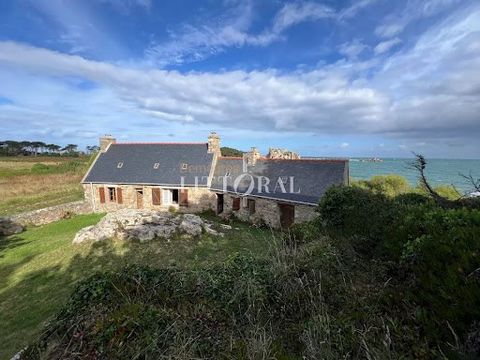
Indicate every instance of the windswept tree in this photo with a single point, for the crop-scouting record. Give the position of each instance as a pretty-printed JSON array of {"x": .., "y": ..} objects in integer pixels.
[
  {"x": 70, "y": 148},
  {"x": 53, "y": 148},
  {"x": 93, "y": 149}
]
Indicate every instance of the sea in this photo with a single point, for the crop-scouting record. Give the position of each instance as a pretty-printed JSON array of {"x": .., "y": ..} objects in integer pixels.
[{"x": 438, "y": 171}]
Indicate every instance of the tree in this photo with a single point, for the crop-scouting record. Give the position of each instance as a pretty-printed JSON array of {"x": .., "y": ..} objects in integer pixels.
[
  {"x": 53, "y": 148},
  {"x": 228, "y": 151},
  {"x": 38, "y": 146},
  {"x": 70, "y": 148},
  {"x": 93, "y": 149}
]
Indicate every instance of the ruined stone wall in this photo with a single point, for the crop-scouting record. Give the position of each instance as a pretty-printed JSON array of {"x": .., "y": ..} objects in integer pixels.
[
  {"x": 51, "y": 214},
  {"x": 199, "y": 199},
  {"x": 266, "y": 211}
]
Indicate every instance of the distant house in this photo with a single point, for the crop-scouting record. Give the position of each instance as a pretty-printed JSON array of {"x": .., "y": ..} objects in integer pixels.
[{"x": 194, "y": 177}]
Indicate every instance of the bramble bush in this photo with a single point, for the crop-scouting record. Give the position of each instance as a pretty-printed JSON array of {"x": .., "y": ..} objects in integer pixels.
[{"x": 438, "y": 249}]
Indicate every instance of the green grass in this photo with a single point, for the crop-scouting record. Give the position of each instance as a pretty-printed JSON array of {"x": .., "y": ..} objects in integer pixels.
[{"x": 39, "y": 268}]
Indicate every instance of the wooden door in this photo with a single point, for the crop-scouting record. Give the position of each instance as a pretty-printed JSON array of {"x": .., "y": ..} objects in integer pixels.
[
  {"x": 139, "y": 197},
  {"x": 287, "y": 215},
  {"x": 219, "y": 203},
  {"x": 184, "y": 197}
]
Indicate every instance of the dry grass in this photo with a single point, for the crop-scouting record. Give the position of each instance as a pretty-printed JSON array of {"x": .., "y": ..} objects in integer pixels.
[
  {"x": 23, "y": 189},
  {"x": 24, "y": 165},
  {"x": 28, "y": 185}
]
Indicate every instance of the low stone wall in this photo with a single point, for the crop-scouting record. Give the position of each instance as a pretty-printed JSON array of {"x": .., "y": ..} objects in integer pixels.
[{"x": 51, "y": 214}]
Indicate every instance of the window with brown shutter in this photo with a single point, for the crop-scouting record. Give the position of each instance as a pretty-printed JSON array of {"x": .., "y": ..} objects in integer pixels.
[
  {"x": 101, "y": 192},
  {"x": 236, "y": 204},
  {"x": 156, "y": 199},
  {"x": 184, "y": 197},
  {"x": 251, "y": 206},
  {"x": 119, "y": 195}
]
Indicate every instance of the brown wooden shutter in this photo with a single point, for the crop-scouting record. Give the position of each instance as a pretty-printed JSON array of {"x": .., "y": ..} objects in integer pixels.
[
  {"x": 184, "y": 197},
  {"x": 156, "y": 199},
  {"x": 119, "y": 195},
  {"x": 101, "y": 192},
  {"x": 236, "y": 204}
]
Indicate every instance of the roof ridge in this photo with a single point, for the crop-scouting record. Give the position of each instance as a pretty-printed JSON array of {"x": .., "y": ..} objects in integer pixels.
[
  {"x": 231, "y": 157},
  {"x": 159, "y": 143},
  {"x": 305, "y": 159}
]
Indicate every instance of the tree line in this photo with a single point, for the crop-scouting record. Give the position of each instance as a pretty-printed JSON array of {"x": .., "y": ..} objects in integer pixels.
[{"x": 34, "y": 148}]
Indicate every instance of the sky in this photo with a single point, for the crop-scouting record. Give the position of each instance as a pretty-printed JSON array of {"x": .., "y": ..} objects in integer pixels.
[{"x": 324, "y": 78}]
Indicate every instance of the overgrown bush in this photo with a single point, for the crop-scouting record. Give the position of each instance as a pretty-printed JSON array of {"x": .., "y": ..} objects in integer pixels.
[
  {"x": 299, "y": 304},
  {"x": 358, "y": 214},
  {"x": 437, "y": 250},
  {"x": 388, "y": 185},
  {"x": 443, "y": 253}
]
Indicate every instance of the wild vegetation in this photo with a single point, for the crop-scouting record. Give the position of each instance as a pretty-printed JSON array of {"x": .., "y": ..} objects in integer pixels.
[
  {"x": 29, "y": 183},
  {"x": 374, "y": 276},
  {"x": 40, "y": 267},
  {"x": 228, "y": 151},
  {"x": 381, "y": 273}
]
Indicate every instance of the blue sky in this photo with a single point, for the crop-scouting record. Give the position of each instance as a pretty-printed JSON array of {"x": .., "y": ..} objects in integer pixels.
[{"x": 325, "y": 78}]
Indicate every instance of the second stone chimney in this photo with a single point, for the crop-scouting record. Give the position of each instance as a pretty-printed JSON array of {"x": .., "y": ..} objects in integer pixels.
[
  {"x": 105, "y": 142},
  {"x": 252, "y": 156},
  {"x": 214, "y": 143}
]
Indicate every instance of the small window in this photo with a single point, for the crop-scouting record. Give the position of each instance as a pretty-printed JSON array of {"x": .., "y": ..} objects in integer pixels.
[
  {"x": 156, "y": 166},
  {"x": 184, "y": 166},
  {"x": 112, "y": 194},
  {"x": 120, "y": 165}
]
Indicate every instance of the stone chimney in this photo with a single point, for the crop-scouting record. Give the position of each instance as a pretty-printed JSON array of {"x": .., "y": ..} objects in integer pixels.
[
  {"x": 105, "y": 142},
  {"x": 214, "y": 143},
  {"x": 252, "y": 156}
]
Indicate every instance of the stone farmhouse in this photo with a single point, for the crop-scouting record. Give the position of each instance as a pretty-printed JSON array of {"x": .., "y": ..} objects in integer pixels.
[{"x": 277, "y": 190}]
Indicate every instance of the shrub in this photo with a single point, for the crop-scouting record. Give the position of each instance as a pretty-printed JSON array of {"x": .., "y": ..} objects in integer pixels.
[
  {"x": 40, "y": 168},
  {"x": 443, "y": 253},
  {"x": 447, "y": 191},
  {"x": 388, "y": 185},
  {"x": 357, "y": 213}
]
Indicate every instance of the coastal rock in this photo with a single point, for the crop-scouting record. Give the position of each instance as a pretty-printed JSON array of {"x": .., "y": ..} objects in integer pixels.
[
  {"x": 9, "y": 227},
  {"x": 191, "y": 224},
  {"x": 143, "y": 225}
]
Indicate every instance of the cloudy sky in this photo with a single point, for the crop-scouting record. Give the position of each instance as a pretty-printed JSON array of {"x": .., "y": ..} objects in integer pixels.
[{"x": 325, "y": 78}]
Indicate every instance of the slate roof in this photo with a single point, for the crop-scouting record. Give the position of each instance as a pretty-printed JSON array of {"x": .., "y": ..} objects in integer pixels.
[
  {"x": 311, "y": 178},
  {"x": 138, "y": 164}
]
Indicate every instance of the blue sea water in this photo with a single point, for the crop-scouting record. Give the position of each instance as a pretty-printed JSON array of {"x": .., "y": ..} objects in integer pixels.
[{"x": 439, "y": 171}]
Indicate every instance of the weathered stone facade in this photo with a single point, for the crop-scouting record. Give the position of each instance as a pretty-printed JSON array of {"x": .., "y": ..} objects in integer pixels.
[
  {"x": 266, "y": 211},
  {"x": 199, "y": 199}
]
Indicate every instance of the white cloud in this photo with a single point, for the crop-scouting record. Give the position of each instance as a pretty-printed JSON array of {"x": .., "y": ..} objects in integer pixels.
[
  {"x": 431, "y": 90},
  {"x": 298, "y": 12},
  {"x": 385, "y": 46},
  {"x": 197, "y": 42},
  {"x": 352, "y": 49},
  {"x": 344, "y": 145},
  {"x": 395, "y": 24}
]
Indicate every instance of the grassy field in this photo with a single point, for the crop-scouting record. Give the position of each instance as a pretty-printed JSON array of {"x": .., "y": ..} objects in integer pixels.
[
  {"x": 30, "y": 183},
  {"x": 39, "y": 268}
]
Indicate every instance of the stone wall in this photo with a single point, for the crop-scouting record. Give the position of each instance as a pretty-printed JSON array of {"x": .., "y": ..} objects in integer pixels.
[
  {"x": 199, "y": 199},
  {"x": 266, "y": 211},
  {"x": 51, "y": 214}
]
